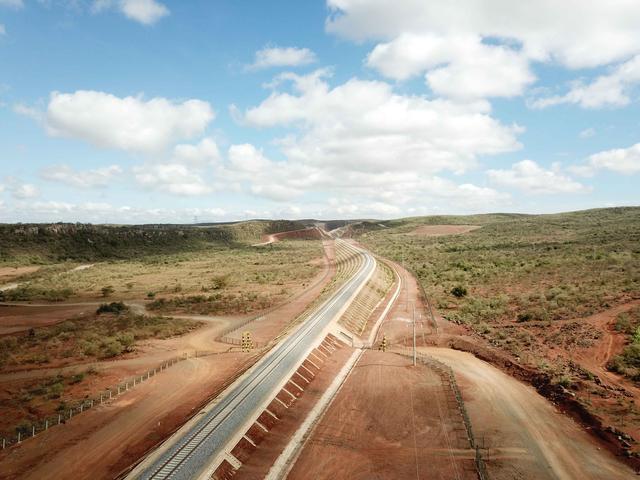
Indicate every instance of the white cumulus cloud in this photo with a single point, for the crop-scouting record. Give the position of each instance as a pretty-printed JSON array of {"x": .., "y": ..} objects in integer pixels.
[
  {"x": 365, "y": 126},
  {"x": 619, "y": 160},
  {"x": 146, "y": 12},
  {"x": 99, "y": 177},
  {"x": 485, "y": 48},
  {"x": 200, "y": 155},
  {"x": 574, "y": 33},
  {"x": 610, "y": 90},
  {"x": 21, "y": 190},
  {"x": 530, "y": 177},
  {"x": 461, "y": 66},
  {"x": 174, "y": 178},
  {"x": 282, "y": 57},
  {"x": 130, "y": 123}
]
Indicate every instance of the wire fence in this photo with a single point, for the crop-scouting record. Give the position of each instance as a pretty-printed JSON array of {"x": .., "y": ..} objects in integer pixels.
[
  {"x": 29, "y": 428},
  {"x": 449, "y": 378}
]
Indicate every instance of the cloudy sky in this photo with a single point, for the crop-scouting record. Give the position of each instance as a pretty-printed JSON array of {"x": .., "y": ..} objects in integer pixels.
[{"x": 133, "y": 111}]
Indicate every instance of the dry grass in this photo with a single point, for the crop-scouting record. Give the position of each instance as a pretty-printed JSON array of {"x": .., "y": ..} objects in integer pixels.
[{"x": 266, "y": 272}]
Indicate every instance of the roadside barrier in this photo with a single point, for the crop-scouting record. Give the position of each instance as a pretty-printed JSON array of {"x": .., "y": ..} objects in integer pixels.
[{"x": 29, "y": 429}]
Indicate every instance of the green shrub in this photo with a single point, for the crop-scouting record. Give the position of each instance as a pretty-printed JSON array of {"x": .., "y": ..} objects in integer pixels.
[
  {"x": 459, "y": 291},
  {"x": 55, "y": 390},
  {"x": 113, "y": 307},
  {"x": 112, "y": 348}
]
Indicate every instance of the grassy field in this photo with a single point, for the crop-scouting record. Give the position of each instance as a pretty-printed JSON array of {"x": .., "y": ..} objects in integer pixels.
[
  {"x": 525, "y": 283},
  {"x": 238, "y": 278},
  {"x": 524, "y": 268}
]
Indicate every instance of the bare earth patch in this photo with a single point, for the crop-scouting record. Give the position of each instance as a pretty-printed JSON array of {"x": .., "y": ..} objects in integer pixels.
[
  {"x": 9, "y": 273},
  {"x": 441, "y": 230}
]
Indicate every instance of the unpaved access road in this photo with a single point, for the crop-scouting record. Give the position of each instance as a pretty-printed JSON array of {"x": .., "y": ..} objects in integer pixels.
[
  {"x": 526, "y": 437},
  {"x": 388, "y": 421}
]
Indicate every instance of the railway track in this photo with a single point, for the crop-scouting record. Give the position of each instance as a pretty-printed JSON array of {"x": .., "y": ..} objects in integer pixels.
[{"x": 193, "y": 451}]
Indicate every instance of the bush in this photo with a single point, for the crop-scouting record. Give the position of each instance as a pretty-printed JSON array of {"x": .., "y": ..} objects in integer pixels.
[
  {"x": 112, "y": 348},
  {"x": 113, "y": 307},
  {"x": 127, "y": 341},
  {"x": 107, "y": 291},
  {"x": 459, "y": 291},
  {"x": 219, "y": 282}
]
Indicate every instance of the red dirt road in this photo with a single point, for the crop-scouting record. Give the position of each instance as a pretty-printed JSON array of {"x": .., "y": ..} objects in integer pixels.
[
  {"x": 389, "y": 421},
  {"x": 526, "y": 437}
]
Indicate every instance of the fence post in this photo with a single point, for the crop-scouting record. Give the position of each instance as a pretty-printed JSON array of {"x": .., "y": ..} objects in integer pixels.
[
  {"x": 19, "y": 436},
  {"x": 81, "y": 407},
  {"x": 134, "y": 381},
  {"x": 46, "y": 424},
  {"x": 59, "y": 418},
  {"x": 3, "y": 443},
  {"x": 70, "y": 413},
  {"x": 109, "y": 393},
  {"x": 91, "y": 403},
  {"x": 100, "y": 398}
]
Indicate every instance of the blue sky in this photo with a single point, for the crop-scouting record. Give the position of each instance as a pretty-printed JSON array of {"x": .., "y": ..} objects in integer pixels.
[{"x": 132, "y": 111}]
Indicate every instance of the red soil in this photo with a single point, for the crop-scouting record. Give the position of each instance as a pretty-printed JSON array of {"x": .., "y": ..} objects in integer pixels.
[
  {"x": 389, "y": 420},
  {"x": 15, "y": 318},
  {"x": 521, "y": 433}
]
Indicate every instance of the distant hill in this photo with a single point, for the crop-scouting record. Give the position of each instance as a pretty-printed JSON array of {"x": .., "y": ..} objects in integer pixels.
[{"x": 36, "y": 243}]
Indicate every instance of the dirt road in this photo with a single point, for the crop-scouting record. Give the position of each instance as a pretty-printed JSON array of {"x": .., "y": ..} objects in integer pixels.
[
  {"x": 389, "y": 421},
  {"x": 105, "y": 440},
  {"x": 525, "y": 436}
]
